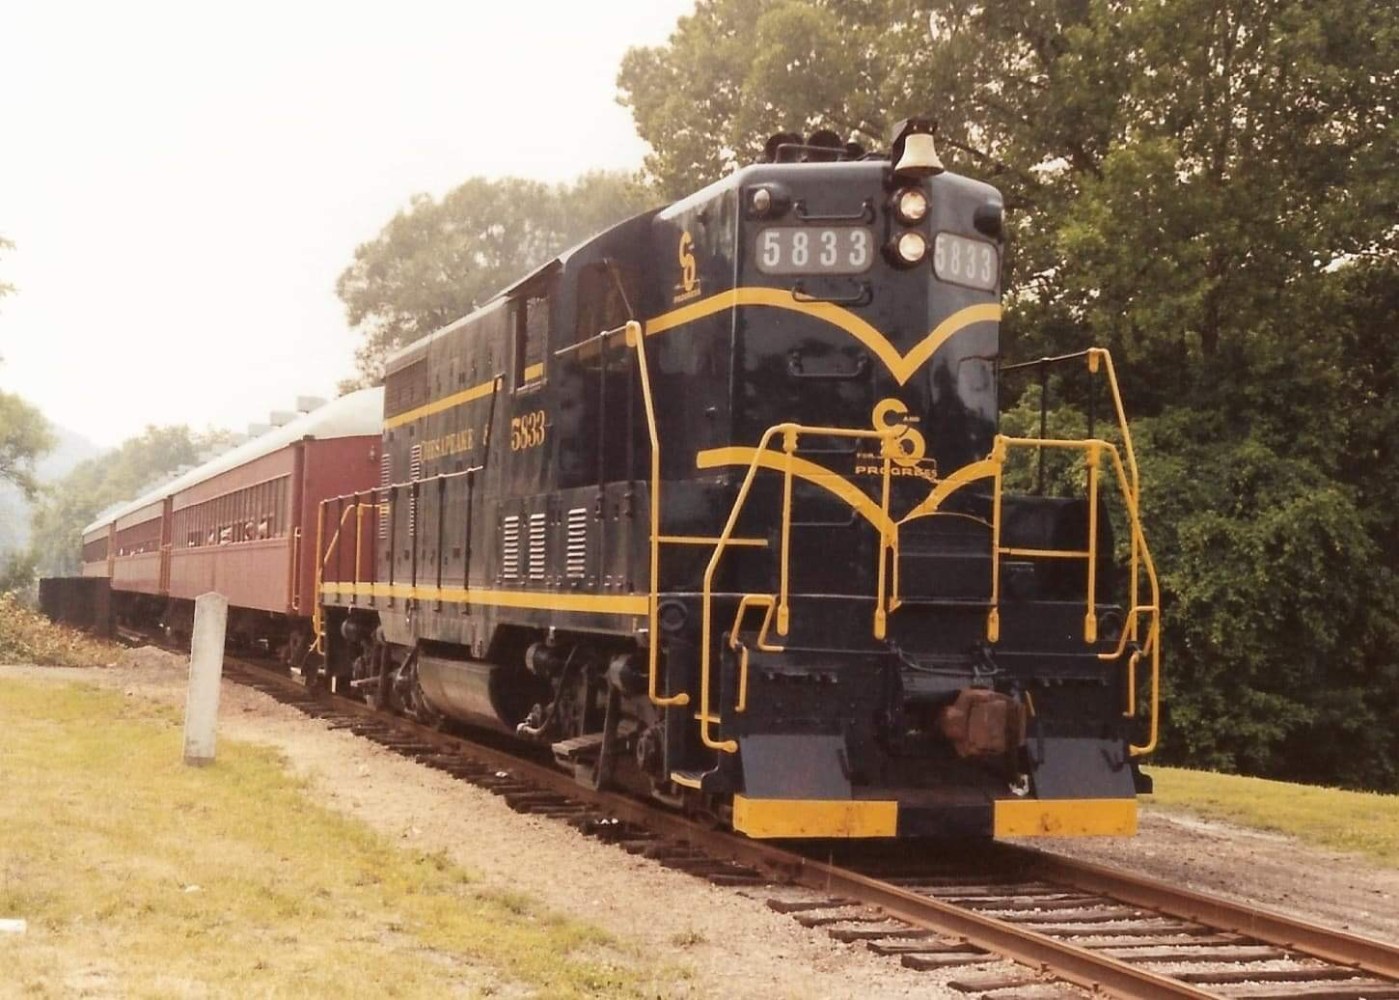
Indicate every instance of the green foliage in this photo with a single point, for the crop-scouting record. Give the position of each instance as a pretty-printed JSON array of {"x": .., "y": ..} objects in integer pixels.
[
  {"x": 69, "y": 505},
  {"x": 438, "y": 259},
  {"x": 28, "y": 637},
  {"x": 24, "y": 438},
  {"x": 1207, "y": 188},
  {"x": 19, "y": 577}
]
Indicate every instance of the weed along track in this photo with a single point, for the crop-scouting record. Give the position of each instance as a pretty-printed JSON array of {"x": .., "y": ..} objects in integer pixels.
[{"x": 1069, "y": 926}]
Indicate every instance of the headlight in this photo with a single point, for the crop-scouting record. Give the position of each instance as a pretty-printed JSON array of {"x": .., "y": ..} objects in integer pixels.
[
  {"x": 762, "y": 201},
  {"x": 910, "y": 248},
  {"x": 911, "y": 206}
]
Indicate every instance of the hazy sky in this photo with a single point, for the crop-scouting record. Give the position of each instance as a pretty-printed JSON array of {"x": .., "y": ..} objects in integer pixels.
[{"x": 184, "y": 181}]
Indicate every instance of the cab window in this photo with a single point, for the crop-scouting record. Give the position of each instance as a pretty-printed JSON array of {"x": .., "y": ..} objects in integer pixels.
[
  {"x": 531, "y": 337},
  {"x": 602, "y": 302}
]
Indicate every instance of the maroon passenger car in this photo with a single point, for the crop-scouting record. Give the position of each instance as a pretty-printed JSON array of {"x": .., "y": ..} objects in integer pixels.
[{"x": 243, "y": 524}]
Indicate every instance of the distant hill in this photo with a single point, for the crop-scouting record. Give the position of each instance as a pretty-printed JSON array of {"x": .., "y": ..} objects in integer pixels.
[{"x": 72, "y": 448}]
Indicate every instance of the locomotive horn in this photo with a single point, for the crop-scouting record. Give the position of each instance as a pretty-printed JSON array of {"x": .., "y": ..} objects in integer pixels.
[
  {"x": 913, "y": 151},
  {"x": 773, "y": 151}
]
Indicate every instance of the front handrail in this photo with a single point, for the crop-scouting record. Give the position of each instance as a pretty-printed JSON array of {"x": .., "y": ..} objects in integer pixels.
[
  {"x": 769, "y": 603},
  {"x": 791, "y": 433}
]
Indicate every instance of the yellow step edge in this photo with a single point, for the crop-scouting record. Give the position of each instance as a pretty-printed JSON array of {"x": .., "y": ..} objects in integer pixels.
[
  {"x": 1065, "y": 817},
  {"x": 767, "y": 818}
]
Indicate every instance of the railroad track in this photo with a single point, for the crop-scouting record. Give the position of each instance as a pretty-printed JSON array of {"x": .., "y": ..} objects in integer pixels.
[{"x": 1073, "y": 928}]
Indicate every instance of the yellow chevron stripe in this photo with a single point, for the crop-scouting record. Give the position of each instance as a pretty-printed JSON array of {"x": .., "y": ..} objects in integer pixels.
[
  {"x": 805, "y": 470},
  {"x": 901, "y": 366},
  {"x": 945, "y": 488}
]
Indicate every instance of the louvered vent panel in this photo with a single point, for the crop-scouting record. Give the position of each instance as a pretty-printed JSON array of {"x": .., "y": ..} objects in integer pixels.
[
  {"x": 385, "y": 471},
  {"x": 415, "y": 472},
  {"x": 510, "y": 547},
  {"x": 576, "y": 558},
  {"x": 538, "y": 527}
]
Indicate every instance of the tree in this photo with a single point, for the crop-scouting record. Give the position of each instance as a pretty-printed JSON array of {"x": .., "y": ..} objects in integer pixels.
[
  {"x": 438, "y": 259},
  {"x": 69, "y": 505},
  {"x": 24, "y": 438},
  {"x": 24, "y": 433},
  {"x": 1205, "y": 186}
]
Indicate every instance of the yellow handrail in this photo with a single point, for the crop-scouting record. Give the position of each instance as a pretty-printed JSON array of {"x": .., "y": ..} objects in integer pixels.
[
  {"x": 635, "y": 340},
  {"x": 1090, "y": 616},
  {"x": 707, "y": 592},
  {"x": 1140, "y": 561},
  {"x": 751, "y": 601},
  {"x": 324, "y": 551},
  {"x": 1098, "y": 355},
  {"x": 784, "y": 610},
  {"x": 359, "y": 538}
]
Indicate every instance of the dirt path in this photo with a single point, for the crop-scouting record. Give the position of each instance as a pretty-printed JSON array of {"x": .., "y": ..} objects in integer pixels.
[{"x": 729, "y": 945}]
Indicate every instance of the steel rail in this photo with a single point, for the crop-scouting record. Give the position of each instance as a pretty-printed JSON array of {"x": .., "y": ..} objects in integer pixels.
[
  {"x": 1342, "y": 947},
  {"x": 1082, "y": 966}
]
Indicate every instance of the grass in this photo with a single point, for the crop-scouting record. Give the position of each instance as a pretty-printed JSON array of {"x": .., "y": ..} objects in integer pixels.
[
  {"x": 142, "y": 877},
  {"x": 1364, "y": 822},
  {"x": 26, "y": 636}
]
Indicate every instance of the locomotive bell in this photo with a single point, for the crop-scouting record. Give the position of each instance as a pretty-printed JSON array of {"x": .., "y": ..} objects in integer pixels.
[{"x": 913, "y": 151}]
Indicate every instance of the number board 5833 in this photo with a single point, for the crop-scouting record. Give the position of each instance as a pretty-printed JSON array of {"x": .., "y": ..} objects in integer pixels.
[
  {"x": 814, "y": 250},
  {"x": 527, "y": 430}
]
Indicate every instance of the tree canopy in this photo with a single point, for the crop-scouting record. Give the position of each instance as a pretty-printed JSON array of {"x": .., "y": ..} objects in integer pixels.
[
  {"x": 24, "y": 433},
  {"x": 1206, "y": 187},
  {"x": 24, "y": 438},
  {"x": 433, "y": 262},
  {"x": 69, "y": 505}
]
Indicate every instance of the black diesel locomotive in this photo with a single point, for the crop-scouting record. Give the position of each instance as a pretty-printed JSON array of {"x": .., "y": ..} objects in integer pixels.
[{"x": 715, "y": 504}]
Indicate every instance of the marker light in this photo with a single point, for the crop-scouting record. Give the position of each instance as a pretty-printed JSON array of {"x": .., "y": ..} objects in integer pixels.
[
  {"x": 910, "y": 247},
  {"x": 911, "y": 206},
  {"x": 762, "y": 201}
]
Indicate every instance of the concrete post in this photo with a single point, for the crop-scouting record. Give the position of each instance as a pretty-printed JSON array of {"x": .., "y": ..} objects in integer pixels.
[{"x": 205, "y": 673}]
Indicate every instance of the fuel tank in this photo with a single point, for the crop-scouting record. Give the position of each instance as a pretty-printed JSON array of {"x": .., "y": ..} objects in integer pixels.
[{"x": 478, "y": 692}]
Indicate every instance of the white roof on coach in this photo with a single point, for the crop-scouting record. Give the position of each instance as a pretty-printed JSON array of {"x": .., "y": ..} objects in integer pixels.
[{"x": 353, "y": 415}]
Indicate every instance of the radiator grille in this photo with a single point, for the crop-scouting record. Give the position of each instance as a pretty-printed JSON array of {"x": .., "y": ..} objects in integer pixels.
[
  {"x": 382, "y": 500},
  {"x": 510, "y": 547},
  {"x": 576, "y": 558},
  {"x": 538, "y": 528},
  {"x": 415, "y": 472}
]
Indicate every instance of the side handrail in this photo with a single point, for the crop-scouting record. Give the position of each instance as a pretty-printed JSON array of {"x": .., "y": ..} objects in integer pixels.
[
  {"x": 769, "y": 603},
  {"x": 1129, "y": 482},
  {"x": 382, "y": 500},
  {"x": 322, "y": 560},
  {"x": 295, "y": 574},
  {"x": 636, "y": 341},
  {"x": 1140, "y": 563}
]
